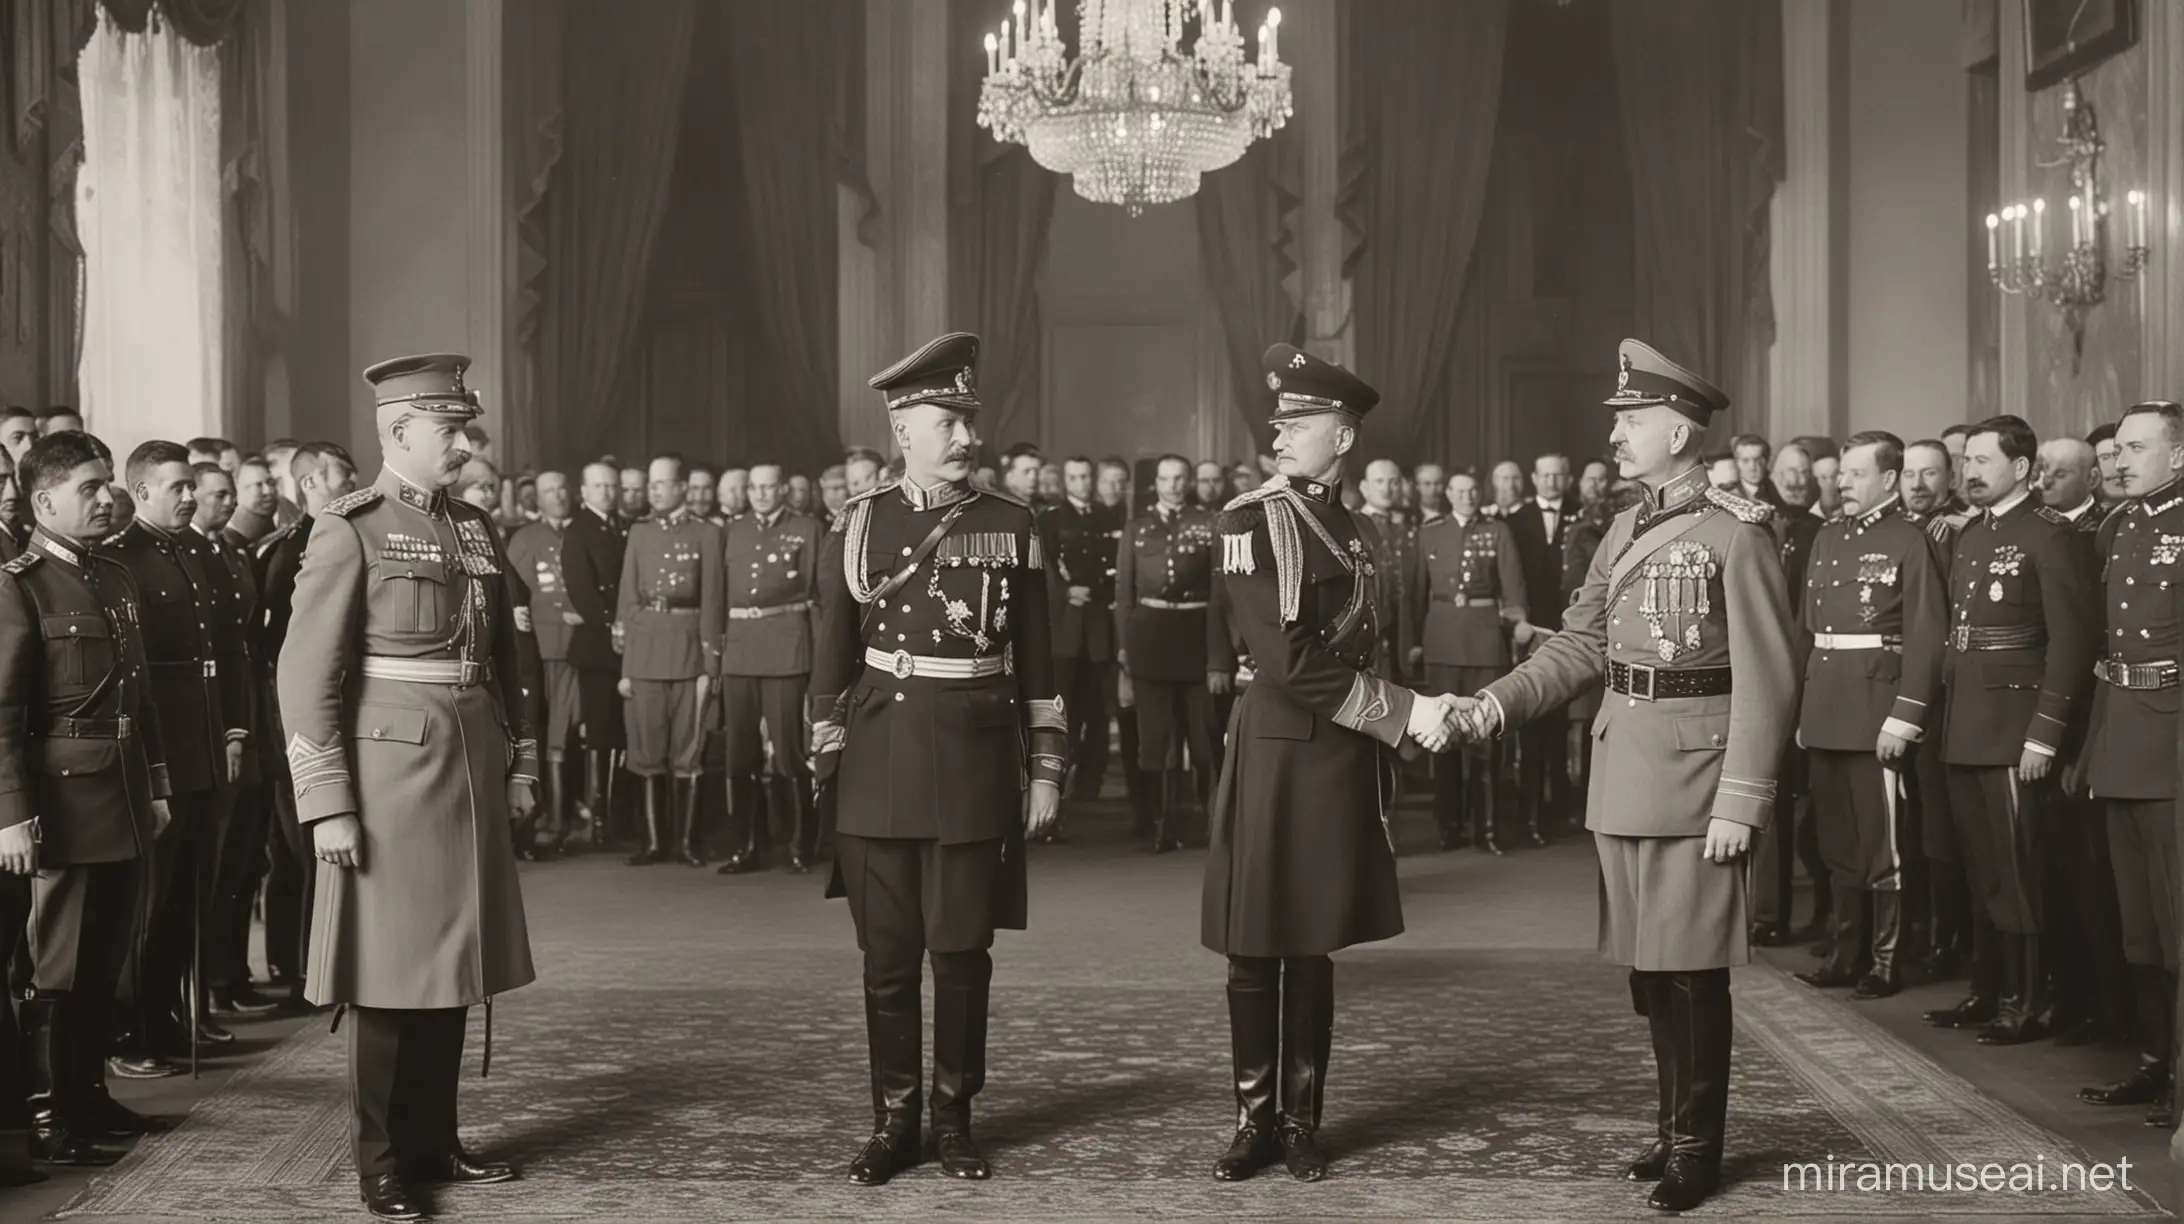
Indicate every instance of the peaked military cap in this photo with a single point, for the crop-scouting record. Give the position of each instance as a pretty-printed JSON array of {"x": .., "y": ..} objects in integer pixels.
[
  {"x": 1304, "y": 385},
  {"x": 429, "y": 382},
  {"x": 1647, "y": 378},
  {"x": 945, "y": 371}
]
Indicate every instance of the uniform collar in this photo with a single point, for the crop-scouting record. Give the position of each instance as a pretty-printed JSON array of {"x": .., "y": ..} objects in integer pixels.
[
  {"x": 940, "y": 496},
  {"x": 1877, "y": 513},
  {"x": 1996, "y": 513},
  {"x": 673, "y": 518},
  {"x": 1377, "y": 512},
  {"x": 1081, "y": 507},
  {"x": 1318, "y": 490},
  {"x": 767, "y": 521},
  {"x": 2163, "y": 499},
  {"x": 55, "y": 547},
  {"x": 1167, "y": 512},
  {"x": 393, "y": 484},
  {"x": 2083, "y": 508},
  {"x": 1680, "y": 491},
  {"x": 606, "y": 517}
]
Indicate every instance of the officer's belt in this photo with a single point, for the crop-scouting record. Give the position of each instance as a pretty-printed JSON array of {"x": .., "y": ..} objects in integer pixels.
[
  {"x": 1468, "y": 601},
  {"x": 762, "y": 613},
  {"x": 902, "y": 665},
  {"x": 1173, "y": 605},
  {"x": 2000, "y": 637},
  {"x": 661, "y": 605},
  {"x": 1858, "y": 641},
  {"x": 2124, "y": 675},
  {"x": 1648, "y": 683},
  {"x": 205, "y": 667},
  {"x": 87, "y": 728},
  {"x": 461, "y": 673}
]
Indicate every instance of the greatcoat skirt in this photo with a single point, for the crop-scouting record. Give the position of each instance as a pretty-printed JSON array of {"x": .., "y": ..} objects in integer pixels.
[{"x": 434, "y": 918}]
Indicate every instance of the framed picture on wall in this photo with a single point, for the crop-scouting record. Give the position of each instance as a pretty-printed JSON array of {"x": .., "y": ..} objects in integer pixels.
[{"x": 2065, "y": 38}]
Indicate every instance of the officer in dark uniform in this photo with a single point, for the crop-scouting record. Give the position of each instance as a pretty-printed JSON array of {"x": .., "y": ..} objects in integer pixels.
[
  {"x": 1926, "y": 489},
  {"x": 83, "y": 785},
  {"x": 929, "y": 587},
  {"x": 1468, "y": 598},
  {"x": 1163, "y": 592},
  {"x": 591, "y": 562},
  {"x": 1081, "y": 542},
  {"x": 172, "y": 566},
  {"x": 772, "y": 591},
  {"x": 535, "y": 551},
  {"x": 2022, "y": 624},
  {"x": 1302, "y": 863},
  {"x": 1875, "y": 610},
  {"x": 2126, "y": 765}
]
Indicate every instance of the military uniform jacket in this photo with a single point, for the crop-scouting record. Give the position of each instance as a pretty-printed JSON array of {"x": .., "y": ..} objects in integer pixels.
[
  {"x": 1467, "y": 584},
  {"x": 534, "y": 551},
  {"x": 173, "y": 577},
  {"x": 2016, "y": 578},
  {"x": 1578, "y": 550},
  {"x": 1164, "y": 594},
  {"x": 927, "y": 748},
  {"x": 670, "y": 607},
  {"x": 80, "y": 746},
  {"x": 773, "y": 585},
  {"x": 1690, "y": 578},
  {"x": 401, "y": 691},
  {"x": 2133, "y": 723},
  {"x": 1300, "y": 863},
  {"x": 1797, "y": 530},
  {"x": 1082, "y": 546},
  {"x": 1393, "y": 542},
  {"x": 592, "y": 549},
  {"x": 234, "y": 639},
  {"x": 1872, "y": 576}
]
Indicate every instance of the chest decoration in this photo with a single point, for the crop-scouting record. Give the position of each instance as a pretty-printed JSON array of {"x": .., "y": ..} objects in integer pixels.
[
  {"x": 549, "y": 578},
  {"x": 2007, "y": 561},
  {"x": 984, "y": 627},
  {"x": 1677, "y": 596},
  {"x": 477, "y": 558},
  {"x": 2167, "y": 547},
  {"x": 1876, "y": 571},
  {"x": 402, "y": 546},
  {"x": 990, "y": 550},
  {"x": 1361, "y": 558}
]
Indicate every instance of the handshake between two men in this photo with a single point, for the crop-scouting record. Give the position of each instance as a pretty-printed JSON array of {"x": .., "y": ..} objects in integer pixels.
[{"x": 1437, "y": 723}]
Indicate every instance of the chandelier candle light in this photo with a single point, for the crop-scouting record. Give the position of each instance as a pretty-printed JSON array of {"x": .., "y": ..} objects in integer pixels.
[{"x": 1135, "y": 118}]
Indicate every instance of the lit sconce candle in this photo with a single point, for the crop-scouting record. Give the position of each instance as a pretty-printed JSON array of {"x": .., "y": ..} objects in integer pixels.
[
  {"x": 2137, "y": 201},
  {"x": 993, "y": 55},
  {"x": 2039, "y": 228},
  {"x": 1262, "y": 46},
  {"x": 1994, "y": 223},
  {"x": 1023, "y": 32},
  {"x": 1008, "y": 49},
  {"x": 1274, "y": 33},
  {"x": 2077, "y": 222},
  {"x": 1228, "y": 15},
  {"x": 2015, "y": 215}
]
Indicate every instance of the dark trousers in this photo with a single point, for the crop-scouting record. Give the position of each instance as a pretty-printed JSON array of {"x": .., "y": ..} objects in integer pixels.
[
  {"x": 1790, "y": 838},
  {"x": 175, "y": 888},
  {"x": 239, "y": 864},
  {"x": 1543, "y": 763},
  {"x": 1173, "y": 715},
  {"x": 83, "y": 921},
  {"x": 1083, "y": 685},
  {"x": 2002, "y": 832},
  {"x": 291, "y": 876},
  {"x": 403, "y": 1069},
  {"x": 1855, "y": 809}
]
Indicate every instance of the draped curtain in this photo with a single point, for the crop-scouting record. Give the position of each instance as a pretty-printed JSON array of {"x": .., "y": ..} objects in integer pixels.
[
  {"x": 532, "y": 62},
  {"x": 1422, "y": 92},
  {"x": 150, "y": 220},
  {"x": 622, "y": 102},
  {"x": 1244, "y": 252},
  {"x": 1700, "y": 87},
  {"x": 255, "y": 319}
]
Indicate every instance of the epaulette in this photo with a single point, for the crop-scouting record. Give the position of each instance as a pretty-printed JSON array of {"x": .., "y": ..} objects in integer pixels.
[
  {"x": 1749, "y": 509},
  {"x": 21, "y": 562},
  {"x": 1239, "y": 517},
  {"x": 1911, "y": 516},
  {"x": 1940, "y": 527},
  {"x": 349, "y": 503},
  {"x": 2051, "y": 514}
]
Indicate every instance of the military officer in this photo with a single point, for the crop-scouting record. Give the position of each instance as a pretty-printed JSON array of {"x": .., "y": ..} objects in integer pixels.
[
  {"x": 946, "y": 760},
  {"x": 1163, "y": 592},
  {"x": 669, "y": 621},
  {"x": 1925, "y": 488},
  {"x": 1081, "y": 540},
  {"x": 172, "y": 567},
  {"x": 1468, "y": 599},
  {"x": 1302, "y": 863},
  {"x": 83, "y": 786},
  {"x": 1393, "y": 540},
  {"x": 772, "y": 591},
  {"x": 1875, "y": 608},
  {"x": 2021, "y": 629},
  {"x": 535, "y": 552},
  {"x": 1685, "y": 588},
  {"x": 2125, "y": 763},
  {"x": 592, "y": 550},
  {"x": 397, "y": 679}
]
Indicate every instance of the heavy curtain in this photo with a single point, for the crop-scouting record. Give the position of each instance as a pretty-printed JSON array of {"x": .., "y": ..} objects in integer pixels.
[
  {"x": 1000, "y": 208},
  {"x": 149, "y": 213},
  {"x": 785, "y": 123},
  {"x": 1421, "y": 95},
  {"x": 1244, "y": 251},
  {"x": 1700, "y": 85},
  {"x": 532, "y": 62},
  {"x": 255, "y": 325},
  {"x": 622, "y": 99}
]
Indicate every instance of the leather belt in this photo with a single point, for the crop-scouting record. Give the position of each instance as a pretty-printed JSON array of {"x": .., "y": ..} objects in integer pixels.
[
  {"x": 1857, "y": 641},
  {"x": 209, "y": 668},
  {"x": 902, "y": 665},
  {"x": 1649, "y": 683},
  {"x": 1469, "y": 601},
  {"x": 461, "y": 673},
  {"x": 2001, "y": 637},
  {"x": 661, "y": 605},
  {"x": 1174, "y": 605},
  {"x": 2161, "y": 675},
  {"x": 88, "y": 728},
  {"x": 762, "y": 613}
]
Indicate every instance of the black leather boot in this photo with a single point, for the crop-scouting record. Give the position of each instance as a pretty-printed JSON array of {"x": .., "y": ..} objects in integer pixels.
[
  {"x": 1448, "y": 798},
  {"x": 2024, "y": 989},
  {"x": 1885, "y": 978},
  {"x": 1700, "y": 1028},
  {"x": 1198, "y": 821},
  {"x": 959, "y": 1065},
  {"x": 1841, "y": 967},
  {"x": 1648, "y": 992},
  {"x": 894, "y": 1036},
  {"x": 792, "y": 797},
  {"x": 654, "y": 801},
  {"x": 1486, "y": 818},
  {"x": 102, "y": 1119},
  {"x": 599, "y": 797},
  {"x": 1308, "y": 1030},
  {"x": 1981, "y": 1005},
  {"x": 56, "y": 1136},
  {"x": 2153, "y": 991},
  {"x": 689, "y": 848},
  {"x": 1167, "y": 785},
  {"x": 746, "y": 799},
  {"x": 1255, "y": 1046}
]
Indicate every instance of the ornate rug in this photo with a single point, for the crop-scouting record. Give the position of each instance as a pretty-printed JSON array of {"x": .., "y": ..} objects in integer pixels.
[{"x": 1464, "y": 1085}]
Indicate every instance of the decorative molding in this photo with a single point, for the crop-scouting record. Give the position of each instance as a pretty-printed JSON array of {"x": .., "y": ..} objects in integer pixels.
[
  {"x": 2161, "y": 284},
  {"x": 489, "y": 232},
  {"x": 2015, "y": 179}
]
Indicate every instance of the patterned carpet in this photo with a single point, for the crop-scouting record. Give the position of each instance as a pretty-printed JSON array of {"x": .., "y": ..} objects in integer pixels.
[{"x": 1466, "y": 1084}]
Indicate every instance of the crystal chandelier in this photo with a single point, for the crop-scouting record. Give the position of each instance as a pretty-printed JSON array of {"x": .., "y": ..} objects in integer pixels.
[{"x": 1136, "y": 117}]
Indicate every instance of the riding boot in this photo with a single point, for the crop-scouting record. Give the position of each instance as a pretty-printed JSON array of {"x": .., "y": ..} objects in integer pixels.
[
  {"x": 688, "y": 849},
  {"x": 1486, "y": 818},
  {"x": 894, "y": 1035},
  {"x": 961, "y": 984},
  {"x": 1981, "y": 1004},
  {"x": 1255, "y": 1044},
  {"x": 1169, "y": 785},
  {"x": 1197, "y": 829},
  {"x": 1841, "y": 967},
  {"x": 99, "y": 1118},
  {"x": 790, "y": 799},
  {"x": 1885, "y": 978},
  {"x": 56, "y": 1133},
  {"x": 748, "y": 823},
  {"x": 1648, "y": 992},
  {"x": 2014, "y": 1020},
  {"x": 1308, "y": 1028},
  {"x": 599, "y": 797},
  {"x": 1701, "y": 1026},
  {"x": 566, "y": 800},
  {"x": 654, "y": 801}
]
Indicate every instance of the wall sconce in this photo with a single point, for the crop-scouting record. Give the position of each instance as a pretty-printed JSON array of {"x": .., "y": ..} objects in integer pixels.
[{"x": 2017, "y": 235}]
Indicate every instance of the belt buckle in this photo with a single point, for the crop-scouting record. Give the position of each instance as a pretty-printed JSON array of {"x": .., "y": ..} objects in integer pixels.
[
  {"x": 1961, "y": 637},
  {"x": 903, "y": 665},
  {"x": 121, "y": 727},
  {"x": 1651, "y": 673},
  {"x": 466, "y": 674}
]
